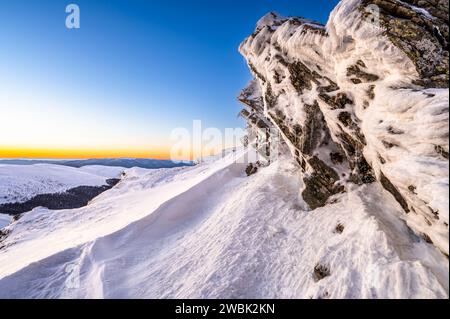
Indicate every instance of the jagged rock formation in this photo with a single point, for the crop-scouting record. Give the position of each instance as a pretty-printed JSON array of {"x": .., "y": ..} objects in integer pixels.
[
  {"x": 262, "y": 135},
  {"x": 363, "y": 99}
]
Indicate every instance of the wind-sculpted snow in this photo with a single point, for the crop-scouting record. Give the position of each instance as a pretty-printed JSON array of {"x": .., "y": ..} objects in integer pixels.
[
  {"x": 212, "y": 232},
  {"x": 361, "y": 100}
]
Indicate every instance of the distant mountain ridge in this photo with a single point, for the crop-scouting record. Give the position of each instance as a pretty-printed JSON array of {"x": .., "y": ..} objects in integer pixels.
[{"x": 116, "y": 162}]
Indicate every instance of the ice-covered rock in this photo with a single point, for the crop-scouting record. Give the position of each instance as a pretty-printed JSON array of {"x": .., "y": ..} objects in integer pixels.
[{"x": 361, "y": 100}]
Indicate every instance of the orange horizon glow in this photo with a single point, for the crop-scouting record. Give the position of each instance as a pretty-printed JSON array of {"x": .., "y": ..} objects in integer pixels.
[
  {"x": 60, "y": 153},
  {"x": 57, "y": 153}
]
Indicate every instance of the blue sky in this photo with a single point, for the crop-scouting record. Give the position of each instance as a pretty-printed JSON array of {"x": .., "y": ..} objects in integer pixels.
[{"x": 133, "y": 71}]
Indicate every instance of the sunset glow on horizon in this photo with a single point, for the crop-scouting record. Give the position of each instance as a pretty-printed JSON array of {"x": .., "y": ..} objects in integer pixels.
[
  {"x": 106, "y": 90},
  {"x": 42, "y": 153},
  {"x": 186, "y": 153}
]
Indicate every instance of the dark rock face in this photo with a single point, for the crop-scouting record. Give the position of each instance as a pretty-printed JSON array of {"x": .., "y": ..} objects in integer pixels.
[
  {"x": 4, "y": 233},
  {"x": 251, "y": 169},
  {"x": 337, "y": 102},
  {"x": 423, "y": 37},
  {"x": 321, "y": 184},
  {"x": 394, "y": 191},
  {"x": 339, "y": 229},
  {"x": 321, "y": 271},
  {"x": 358, "y": 76},
  {"x": 73, "y": 198},
  {"x": 302, "y": 77},
  {"x": 322, "y": 92},
  {"x": 441, "y": 151}
]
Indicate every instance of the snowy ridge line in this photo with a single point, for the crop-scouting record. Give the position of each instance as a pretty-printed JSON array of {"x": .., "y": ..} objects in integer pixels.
[
  {"x": 177, "y": 213},
  {"x": 20, "y": 183},
  {"x": 43, "y": 228}
]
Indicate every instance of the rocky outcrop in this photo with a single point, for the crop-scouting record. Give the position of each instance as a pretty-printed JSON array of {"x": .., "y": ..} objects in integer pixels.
[
  {"x": 420, "y": 29},
  {"x": 361, "y": 100},
  {"x": 262, "y": 135}
]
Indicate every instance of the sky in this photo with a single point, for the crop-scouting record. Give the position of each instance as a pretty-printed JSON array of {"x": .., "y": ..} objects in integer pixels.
[{"x": 133, "y": 72}]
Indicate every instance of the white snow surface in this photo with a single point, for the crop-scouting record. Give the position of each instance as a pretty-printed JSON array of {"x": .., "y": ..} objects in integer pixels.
[
  {"x": 19, "y": 183},
  {"x": 210, "y": 231},
  {"x": 4, "y": 220}
]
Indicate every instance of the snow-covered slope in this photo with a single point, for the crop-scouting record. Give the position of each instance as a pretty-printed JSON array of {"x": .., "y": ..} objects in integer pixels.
[
  {"x": 19, "y": 183},
  {"x": 210, "y": 231},
  {"x": 4, "y": 220}
]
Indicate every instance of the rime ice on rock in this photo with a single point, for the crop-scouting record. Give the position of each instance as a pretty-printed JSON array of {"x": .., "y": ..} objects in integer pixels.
[{"x": 363, "y": 99}]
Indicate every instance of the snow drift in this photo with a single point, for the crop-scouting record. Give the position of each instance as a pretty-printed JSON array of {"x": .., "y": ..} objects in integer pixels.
[{"x": 212, "y": 232}]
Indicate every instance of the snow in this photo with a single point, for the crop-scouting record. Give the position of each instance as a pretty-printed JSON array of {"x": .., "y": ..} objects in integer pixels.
[
  {"x": 210, "y": 231},
  {"x": 104, "y": 171},
  {"x": 419, "y": 10},
  {"x": 4, "y": 220},
  {"x": 19, "y": 183}
]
